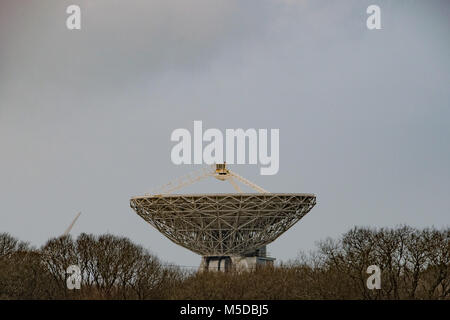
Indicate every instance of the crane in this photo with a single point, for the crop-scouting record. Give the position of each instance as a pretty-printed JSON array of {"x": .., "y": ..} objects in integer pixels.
[{"x": 72, "y": 224}]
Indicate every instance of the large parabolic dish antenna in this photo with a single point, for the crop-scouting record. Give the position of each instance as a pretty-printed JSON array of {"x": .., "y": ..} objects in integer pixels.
[{"x": 223, "y": 228}]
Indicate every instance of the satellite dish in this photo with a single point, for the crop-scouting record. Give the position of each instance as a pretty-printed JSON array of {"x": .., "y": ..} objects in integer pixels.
[{"x": 226, "y": 224}]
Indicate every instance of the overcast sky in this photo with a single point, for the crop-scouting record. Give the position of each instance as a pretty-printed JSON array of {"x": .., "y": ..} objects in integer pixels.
[{"x": 86, "y": 116}]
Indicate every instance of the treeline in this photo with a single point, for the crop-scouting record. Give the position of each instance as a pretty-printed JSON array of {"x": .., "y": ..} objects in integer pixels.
[
  {"x": 111, "y": 268},
  {"x": 414, "y": 264}
]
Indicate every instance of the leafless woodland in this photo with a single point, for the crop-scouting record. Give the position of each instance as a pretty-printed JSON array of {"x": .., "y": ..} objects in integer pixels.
[{"x": 415, "y": 264}]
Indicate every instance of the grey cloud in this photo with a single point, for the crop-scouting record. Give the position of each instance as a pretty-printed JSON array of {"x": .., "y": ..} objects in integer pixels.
[{"x": 85, "y": 118}]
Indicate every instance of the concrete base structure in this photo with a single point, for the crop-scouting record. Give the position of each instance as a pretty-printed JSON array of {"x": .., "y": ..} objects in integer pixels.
[{"x": 235, "y": 262}]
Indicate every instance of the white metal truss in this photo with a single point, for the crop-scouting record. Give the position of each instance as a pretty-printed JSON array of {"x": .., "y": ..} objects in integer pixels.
[
  {"x": 184, "y": 181},
  {"x": 223, "y": 224},
  {"x": 218, "y": 171},
  {"x": 247, "y": 182}
]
